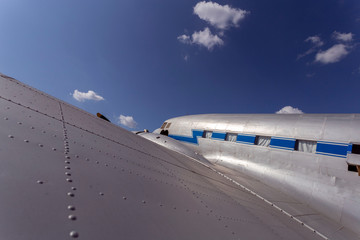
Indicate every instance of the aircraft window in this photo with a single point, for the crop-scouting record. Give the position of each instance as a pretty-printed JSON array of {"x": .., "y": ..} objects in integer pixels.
[
  {"x": 163, "y": 126},
  {"x": 207, "y": 134},
  {"x": 231, "y": 137},
  {"x": 355, "y": 149},
  {"x": 305, "y": 146},
  {"x": 168, "y": 125},
  {"x": 262, "y": 141}
]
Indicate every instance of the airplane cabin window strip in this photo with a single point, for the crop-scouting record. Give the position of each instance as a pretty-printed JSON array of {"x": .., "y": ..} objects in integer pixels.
[{"x": 300, "y": 145}]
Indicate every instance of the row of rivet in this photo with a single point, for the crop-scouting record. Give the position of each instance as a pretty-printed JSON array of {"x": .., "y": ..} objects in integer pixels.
[{"x": 71, "y": 194}]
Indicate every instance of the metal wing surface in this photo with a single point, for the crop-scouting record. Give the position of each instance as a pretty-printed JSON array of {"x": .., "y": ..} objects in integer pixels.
[{"x": 65, "y": 174}]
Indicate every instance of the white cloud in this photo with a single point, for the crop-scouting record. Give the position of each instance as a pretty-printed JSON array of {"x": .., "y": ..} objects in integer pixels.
[
  {"x": 316, "y": 40},
  {"x": 332, "y": 55},
  {"x": 127, "y": 121},
  {"x": 204, "y": 38},
  {"x": 289, "y": 110},
  {"x": 184, "y": 38},
  {"x": 344, "y": 37},
  {"x": 220, "y": 16},
  {"x": 90, "y": 95}
]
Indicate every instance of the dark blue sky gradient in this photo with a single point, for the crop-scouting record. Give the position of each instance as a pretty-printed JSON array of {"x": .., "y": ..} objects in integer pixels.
[{"x": 128, "y": 52}]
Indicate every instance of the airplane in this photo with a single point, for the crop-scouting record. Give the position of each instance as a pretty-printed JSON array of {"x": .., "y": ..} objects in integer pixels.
[{"x": 67, "y": 174}]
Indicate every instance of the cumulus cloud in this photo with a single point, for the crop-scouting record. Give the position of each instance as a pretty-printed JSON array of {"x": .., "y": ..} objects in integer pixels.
[
  {"x": 219, "y": 16},
  {"x": 206, "y": 39},
  {"x": 344, "y": 37},
  {"x": 335, "y": 53},
  {"x": 203, "y": 38},
  {"x": 222, "y": 17},
  {"x": 289, "y": 110},
  {"x": 127, "y": 121},
  {"x": 332, "y": 55},
  {"x": 90, "y": 95}
]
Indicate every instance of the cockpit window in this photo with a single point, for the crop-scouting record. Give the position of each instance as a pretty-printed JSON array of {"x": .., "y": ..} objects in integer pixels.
[
  {"x": 163, "y": 126},
  {"x": 207, "y": 134},
  {"x": 168, "y": 125}
]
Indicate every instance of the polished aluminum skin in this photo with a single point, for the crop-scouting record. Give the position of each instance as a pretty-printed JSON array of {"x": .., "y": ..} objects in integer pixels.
[
  {"x": 66, "y": 174},
  {"x": 322, "y": 183}
]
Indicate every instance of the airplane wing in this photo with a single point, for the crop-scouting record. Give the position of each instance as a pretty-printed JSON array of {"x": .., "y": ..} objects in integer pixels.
[{"x": 65, "y": 174}]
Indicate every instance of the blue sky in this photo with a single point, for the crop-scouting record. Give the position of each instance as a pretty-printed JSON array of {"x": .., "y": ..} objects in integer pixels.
[{"x": 153, "y": 60}]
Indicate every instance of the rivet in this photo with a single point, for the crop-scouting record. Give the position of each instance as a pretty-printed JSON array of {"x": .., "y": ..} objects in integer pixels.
[
  {"x": 67, "y": 174},
  {"x": 72, "y": 217},
  {"x": 19, "y": 123},
  {"x": 73, "y": 188},
  {"x": 32, "y": 127},
  {"x": 124, "y": 198},
  {"x": 67, "y": 167},
  {"x": 143, "y": 201},
  {"x": 67, "y": 157},
  {"x": 11, "y": 136},
  {"x": 26, "y": 140},
  {"x": 54, "y": 149},
  {"x": 40, "y": 145},
  {"x": 74, "y": 234},
  {"x": 69, "y": 180},
  {"x": 71, "y": 208},
  {"x": 77, "y": 156},
  {"x": 5, "y": 118},
  {"x": 67, "y": 162},
  {"x": 70, "y": 194},
  {"x": 43, "y": 132},
  {"x": 40, "y": 182},
  {"x": 97, "y": 162},
  {"x": 101, "y": 194}
]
